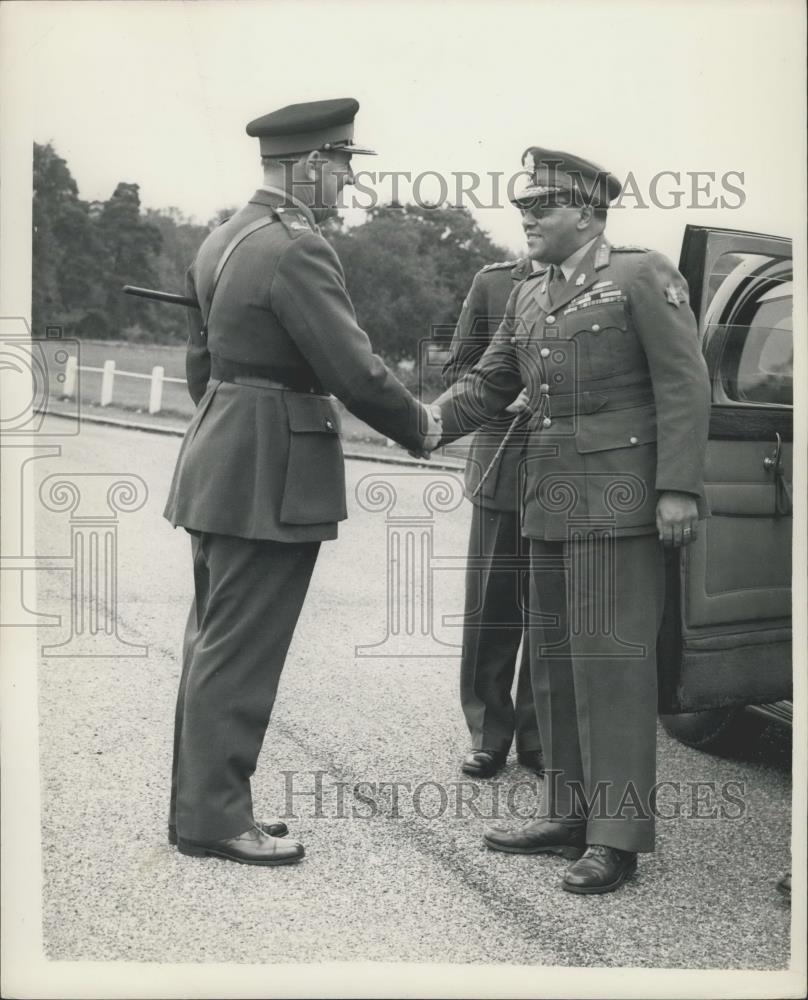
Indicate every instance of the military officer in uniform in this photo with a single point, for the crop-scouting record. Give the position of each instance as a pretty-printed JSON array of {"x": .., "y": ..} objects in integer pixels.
[
  {"x": 260, "y": 481},
  {"x": 606, "y": 345},
  {"x": 495, "y": 594}
]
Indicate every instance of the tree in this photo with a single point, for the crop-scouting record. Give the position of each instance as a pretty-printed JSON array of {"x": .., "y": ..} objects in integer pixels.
[
  {"x": 67, "y": 257},
  {"x": 131, "y": 246},
  {"x": 181, "y": 238},
  {"x": 408, "y": 270}
]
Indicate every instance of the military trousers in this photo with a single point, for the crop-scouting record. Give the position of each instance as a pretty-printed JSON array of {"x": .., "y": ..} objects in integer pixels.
[
  {"x": 595, "y": 610},
  {"x": 493, "y": 627},
  {"x": 248, "y": 596}
]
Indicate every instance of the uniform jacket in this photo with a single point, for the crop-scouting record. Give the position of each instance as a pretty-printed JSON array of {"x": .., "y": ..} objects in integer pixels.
[
  {"x": 266, "y": 463},
  {"x": 618, "y": 393},
  {"x": 482, "y": 313}
]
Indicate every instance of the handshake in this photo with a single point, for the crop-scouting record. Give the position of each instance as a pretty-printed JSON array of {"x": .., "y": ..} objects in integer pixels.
[{"x": 434, "y": 432}]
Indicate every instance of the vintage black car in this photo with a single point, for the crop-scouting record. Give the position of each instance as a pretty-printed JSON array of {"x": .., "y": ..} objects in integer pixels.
[{"x": 726, "y": 636}]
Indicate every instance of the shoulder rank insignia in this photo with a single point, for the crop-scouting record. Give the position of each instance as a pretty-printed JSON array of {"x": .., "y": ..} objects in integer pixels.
[
  {"x": 630, "y": 249},
  {"x": 295, "y": 223},
  {"x": 675, "y": 294},
  {"x": 500, "y": 265}
]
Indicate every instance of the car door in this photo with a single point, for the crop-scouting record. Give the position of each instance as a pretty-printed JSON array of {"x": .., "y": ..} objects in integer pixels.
[{"x": 726, "y": 637}]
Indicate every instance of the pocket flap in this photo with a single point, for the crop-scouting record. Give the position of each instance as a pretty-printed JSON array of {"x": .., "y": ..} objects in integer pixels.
[
  {"x": 311, "y": 414},
  {"x": 594, "y": 319},
  {"x": 608, "y": 429}
]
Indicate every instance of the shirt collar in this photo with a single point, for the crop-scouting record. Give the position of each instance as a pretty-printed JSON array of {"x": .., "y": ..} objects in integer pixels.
[{"x": 570, "y": 265}]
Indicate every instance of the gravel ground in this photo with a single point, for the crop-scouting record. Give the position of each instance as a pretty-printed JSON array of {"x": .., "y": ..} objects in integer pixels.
[{"x": 398, "y": 886}]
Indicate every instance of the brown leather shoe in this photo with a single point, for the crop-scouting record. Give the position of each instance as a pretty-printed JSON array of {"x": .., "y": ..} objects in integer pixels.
[
  {"x": 277, "y": 828},
  {"x": 483, "y": 763},
  {"x": 540, "y": 836},
  {"x": 533, "y": 760},
  {"x": 601, "y": 869},
  {"x": 253, "y": 847}
]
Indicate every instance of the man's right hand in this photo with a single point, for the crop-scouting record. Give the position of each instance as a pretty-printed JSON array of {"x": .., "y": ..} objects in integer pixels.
[
  {"x": 434, "y": 429},
  {"x": 434, "y": 432}
]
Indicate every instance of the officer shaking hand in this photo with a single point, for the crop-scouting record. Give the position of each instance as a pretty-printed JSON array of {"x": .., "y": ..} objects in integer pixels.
[
  {"x": 606, "y": 346},
  {"x": 260, "y": 479}
]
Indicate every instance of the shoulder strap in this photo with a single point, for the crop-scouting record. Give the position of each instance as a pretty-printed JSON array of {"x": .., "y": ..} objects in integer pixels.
[
  {"x": 499, "y": 265},
  {"x": 240, "y": 236}
]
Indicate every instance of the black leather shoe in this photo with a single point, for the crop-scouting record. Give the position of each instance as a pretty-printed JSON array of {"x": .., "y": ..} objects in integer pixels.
[
  {"x": 533, "y": 760},
  {"x": 540, "y": 836},
  {"x": 275, "y": 829},
  {"x": 253, "y": 847},
  {"x": 483, "y": 763},
  {"x": 601, "y": 869}
]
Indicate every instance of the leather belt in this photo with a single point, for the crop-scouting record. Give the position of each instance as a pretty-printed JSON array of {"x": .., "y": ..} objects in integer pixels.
[
  {"x": 592, "y": 401},
  {"x": 256, "y": 382},
  {"x": 277, "y": 377}
]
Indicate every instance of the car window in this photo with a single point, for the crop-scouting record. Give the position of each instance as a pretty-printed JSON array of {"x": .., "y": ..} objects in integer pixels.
[{"x": 749, "y": 330}]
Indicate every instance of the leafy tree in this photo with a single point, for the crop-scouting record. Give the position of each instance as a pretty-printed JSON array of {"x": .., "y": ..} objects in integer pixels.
[
  {"x": 67, "y": 257},
  {"x": 131, "y": 246},
  {"x": 408, "y": 270},
  {"x": 181, "y": 239},
  {"x": 456, "y": 244}
]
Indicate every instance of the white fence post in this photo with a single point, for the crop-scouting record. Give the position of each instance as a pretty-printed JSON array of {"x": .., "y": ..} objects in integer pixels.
[
  {"x": 107, "y": 382},
  {"x": 71, "y": 371},
  {"x": 156, "y": 390}
]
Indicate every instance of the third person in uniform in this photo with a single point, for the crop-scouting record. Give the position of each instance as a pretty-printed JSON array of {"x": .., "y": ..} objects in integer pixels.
[{"x": 496, "y": 594}]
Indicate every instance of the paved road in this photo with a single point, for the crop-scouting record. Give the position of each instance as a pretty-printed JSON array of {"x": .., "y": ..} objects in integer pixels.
[{"x": 405, "y": 884}]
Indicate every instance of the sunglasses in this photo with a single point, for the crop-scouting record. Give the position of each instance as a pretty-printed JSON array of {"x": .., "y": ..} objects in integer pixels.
[{"x": 542, "y": 211}]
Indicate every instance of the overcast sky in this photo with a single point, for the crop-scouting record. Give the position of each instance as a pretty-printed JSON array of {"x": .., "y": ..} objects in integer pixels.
[{"x": 159, "y": 93}]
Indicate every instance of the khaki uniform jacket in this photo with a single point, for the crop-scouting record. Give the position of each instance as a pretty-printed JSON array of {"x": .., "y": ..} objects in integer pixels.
[
  {"x": 265, "y": 463},
  {"x": 618, "y": 393},
  {"x": 482, "y": 313}
]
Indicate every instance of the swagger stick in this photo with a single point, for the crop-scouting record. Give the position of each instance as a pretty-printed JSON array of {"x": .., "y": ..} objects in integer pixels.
[
  {"x": 171, "y": 297},
  {"x": 527, "y": 412}
]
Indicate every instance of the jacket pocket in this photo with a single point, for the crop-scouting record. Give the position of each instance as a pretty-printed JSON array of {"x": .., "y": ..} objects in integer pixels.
[
  {"x": 606, "y": 343},
  {"x": 314, "y": 487},
  {"x": 621, "y": 464},
  {"x": 610, "y": 429}
]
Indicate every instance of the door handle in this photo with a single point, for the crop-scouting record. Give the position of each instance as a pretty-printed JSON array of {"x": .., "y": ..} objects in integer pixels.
[
  {"x": 773, "y": 461},
  {"x": 782, "y": 488}
]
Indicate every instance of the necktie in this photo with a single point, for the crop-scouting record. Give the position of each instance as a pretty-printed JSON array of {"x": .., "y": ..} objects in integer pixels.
[{"x": 557, "y": 283}]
